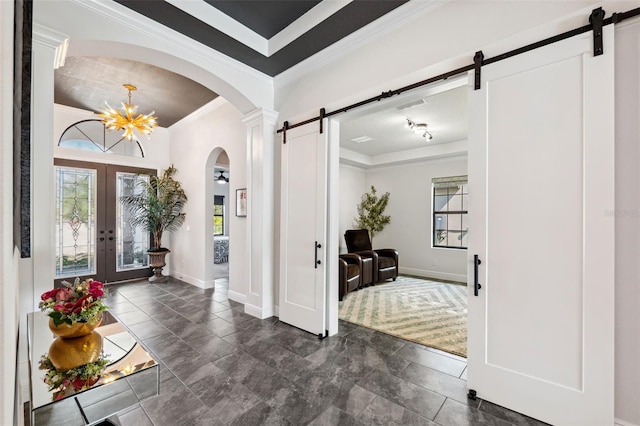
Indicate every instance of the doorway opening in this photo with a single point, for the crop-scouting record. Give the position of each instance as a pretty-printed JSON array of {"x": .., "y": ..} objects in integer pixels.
[
  {"x": 220, "y": 217},
  {"x": 381, "y": 148}
]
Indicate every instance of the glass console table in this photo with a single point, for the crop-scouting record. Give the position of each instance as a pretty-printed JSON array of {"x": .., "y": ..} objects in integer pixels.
[{"x": 131, "y": 376}]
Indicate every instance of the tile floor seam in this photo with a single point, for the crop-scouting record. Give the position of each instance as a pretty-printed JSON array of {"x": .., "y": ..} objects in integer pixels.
[{"x": 439, "y": 409}]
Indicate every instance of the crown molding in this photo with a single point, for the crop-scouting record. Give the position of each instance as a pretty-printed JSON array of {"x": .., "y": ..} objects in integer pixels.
[
  {"x": 125, "y": 16},
  {"x": 48, "y": 37},
  {"x": 221, "y": 21},
  {"x": 234, "y": 29},
  {"x": 52, "y": 39},
  {"x": 444, "y": 152},
  {"x": 365, "y": 35},
  {"x": 306, "y": 22},
  {"x": 258, "y": 116}
]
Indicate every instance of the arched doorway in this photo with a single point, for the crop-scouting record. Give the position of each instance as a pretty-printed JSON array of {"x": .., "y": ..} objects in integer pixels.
[{"x": 219, "y": 208}]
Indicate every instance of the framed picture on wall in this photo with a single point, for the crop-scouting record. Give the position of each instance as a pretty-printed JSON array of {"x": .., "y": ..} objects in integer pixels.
[{"x": 241, "y": 202}]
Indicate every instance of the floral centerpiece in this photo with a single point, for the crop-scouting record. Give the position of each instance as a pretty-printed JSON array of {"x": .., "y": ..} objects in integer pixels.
[
  {"x": 77, "y": 302},
  {"x": 79, "y": 378}
]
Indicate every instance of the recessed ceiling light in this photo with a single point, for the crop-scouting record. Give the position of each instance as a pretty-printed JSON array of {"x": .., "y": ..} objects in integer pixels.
[{"x": 361, "y": 139}]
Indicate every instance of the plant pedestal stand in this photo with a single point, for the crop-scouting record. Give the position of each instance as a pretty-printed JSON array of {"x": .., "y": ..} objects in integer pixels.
[{"x": 157, "y": 262}]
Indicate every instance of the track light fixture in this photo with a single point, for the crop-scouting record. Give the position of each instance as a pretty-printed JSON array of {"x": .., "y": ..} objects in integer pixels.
[{"x": 419, "y": 129}]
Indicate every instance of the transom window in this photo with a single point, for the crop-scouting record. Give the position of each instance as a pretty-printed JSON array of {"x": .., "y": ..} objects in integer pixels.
[
  {"x": 91, "y": 135},
  {"x": 450, "y": 204}
]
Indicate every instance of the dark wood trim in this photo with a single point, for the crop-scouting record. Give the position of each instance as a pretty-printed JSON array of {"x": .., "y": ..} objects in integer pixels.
[{"x": 23, "y": 31}]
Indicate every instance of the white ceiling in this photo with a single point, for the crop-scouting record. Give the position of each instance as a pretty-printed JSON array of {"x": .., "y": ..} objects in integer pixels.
[{"x": 444, "y": 110}]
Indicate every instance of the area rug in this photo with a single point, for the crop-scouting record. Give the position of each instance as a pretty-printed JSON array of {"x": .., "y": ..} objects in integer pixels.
[{"x": 431, "y": 313}]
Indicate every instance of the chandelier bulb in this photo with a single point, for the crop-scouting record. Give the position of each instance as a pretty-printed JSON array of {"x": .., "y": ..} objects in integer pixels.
[{"x": 115, "y": 120}]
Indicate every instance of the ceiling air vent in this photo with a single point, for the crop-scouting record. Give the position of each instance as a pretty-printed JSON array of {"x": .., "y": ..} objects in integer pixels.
[
  {"x": 361, "y": 139},
  {"x": 411, "y": 104}
]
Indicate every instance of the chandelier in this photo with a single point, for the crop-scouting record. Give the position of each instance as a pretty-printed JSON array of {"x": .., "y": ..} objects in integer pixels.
[{"x": 126, "y": 120}]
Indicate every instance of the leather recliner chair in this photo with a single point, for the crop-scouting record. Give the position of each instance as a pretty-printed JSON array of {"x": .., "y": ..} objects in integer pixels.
[
  {"x": 349, "y": 274},
  {"x": 384, "y": 262}
]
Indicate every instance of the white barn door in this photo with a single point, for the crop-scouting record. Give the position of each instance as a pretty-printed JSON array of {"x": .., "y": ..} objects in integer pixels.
[
  {"x": 303, "y": 229},
  {"x": 541, "y": 178}
]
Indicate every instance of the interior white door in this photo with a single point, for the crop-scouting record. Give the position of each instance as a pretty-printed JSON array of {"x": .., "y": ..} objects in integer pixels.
[
  {"x": 303, "y": 229},
  {"x": 541, "y": 179}
]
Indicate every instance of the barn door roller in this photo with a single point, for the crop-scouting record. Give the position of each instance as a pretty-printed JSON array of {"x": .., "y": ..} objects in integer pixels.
[{"x": 596, "y": 19}]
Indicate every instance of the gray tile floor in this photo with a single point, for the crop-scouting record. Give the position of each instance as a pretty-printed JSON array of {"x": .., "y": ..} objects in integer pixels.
[{"x": 220, "y": 366}]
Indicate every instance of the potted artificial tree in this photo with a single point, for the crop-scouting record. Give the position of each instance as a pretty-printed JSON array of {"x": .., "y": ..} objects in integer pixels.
[
  {"x": 157, "y": 207},
  {"x": 371, "y": 212}
]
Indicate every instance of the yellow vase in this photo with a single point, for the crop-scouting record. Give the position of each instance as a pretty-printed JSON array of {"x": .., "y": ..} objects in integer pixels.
[
  {"x": 76, "y": 329},
  {"x": 66, "y": 354}
]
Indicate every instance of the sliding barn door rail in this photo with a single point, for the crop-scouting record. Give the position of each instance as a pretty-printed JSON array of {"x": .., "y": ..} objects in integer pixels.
[{"x": 596, "y": 23}]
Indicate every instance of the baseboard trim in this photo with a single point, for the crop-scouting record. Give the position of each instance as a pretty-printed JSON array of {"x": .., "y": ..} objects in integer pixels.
[
  {"x": 194, "y": 281},
  {"x": 257, "y": 311},
  {"x": 237, "y": 297},
  {"x": 434, "y": 274},
  {"x": 620, "y": 422}
]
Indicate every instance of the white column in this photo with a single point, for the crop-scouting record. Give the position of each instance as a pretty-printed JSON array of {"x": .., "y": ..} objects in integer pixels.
[
  {"x": 260, "y": 128},
  {"x": 48, "y": 53}
]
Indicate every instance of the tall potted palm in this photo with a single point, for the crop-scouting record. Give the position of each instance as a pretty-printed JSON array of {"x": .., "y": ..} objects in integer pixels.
[{"x": 156, "y": 206}]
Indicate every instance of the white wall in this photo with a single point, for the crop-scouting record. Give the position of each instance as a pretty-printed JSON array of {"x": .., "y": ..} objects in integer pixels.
[
  {"x": 196, "y": 142},
  {"x": 627, "y": 217},
  {"x": 352, "y": 186}
]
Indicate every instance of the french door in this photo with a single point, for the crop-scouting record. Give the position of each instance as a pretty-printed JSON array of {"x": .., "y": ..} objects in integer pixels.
[
  {"x": 93, "y": 236},
  {"x": 541, "y": 177},
  {"x": 303, "y": 230}
]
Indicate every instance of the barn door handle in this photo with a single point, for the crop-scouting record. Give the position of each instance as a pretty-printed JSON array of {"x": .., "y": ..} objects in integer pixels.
[
  {"x": 476, "y": 284},
  {"x": 316, "y": 262}
]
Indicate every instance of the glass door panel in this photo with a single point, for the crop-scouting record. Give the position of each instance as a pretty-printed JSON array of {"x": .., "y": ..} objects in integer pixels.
[
  {"x": 75, "y": 222},
  {"x": 133, "y": 243}
]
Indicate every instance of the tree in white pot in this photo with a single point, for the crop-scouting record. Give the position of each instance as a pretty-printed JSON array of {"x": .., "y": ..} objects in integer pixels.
[{"x": 157, "y": 207}]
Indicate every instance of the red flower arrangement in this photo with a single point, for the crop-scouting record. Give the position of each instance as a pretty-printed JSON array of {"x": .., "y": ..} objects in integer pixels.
[
  {"x": 77, "y": 302},
  {"x": 79, "y": 378}
]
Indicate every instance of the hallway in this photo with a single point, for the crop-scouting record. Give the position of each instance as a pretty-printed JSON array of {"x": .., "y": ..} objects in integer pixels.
[{"x": 221, "y": 366}]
